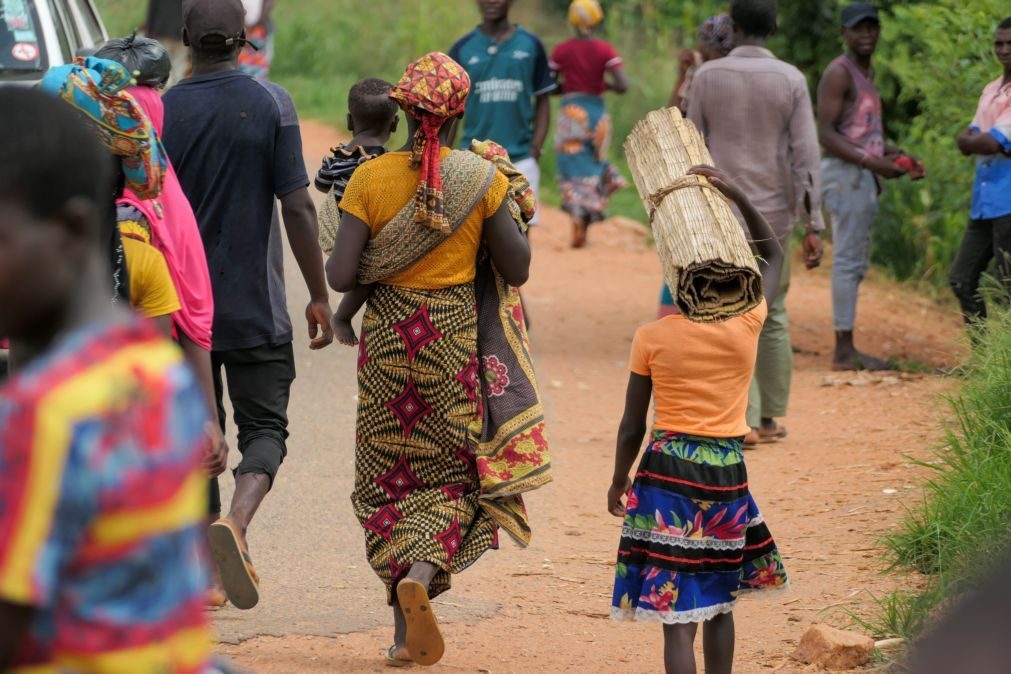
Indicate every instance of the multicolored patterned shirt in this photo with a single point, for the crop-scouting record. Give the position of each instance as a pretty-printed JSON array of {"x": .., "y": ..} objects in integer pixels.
[{"x": 101, "y": 502}]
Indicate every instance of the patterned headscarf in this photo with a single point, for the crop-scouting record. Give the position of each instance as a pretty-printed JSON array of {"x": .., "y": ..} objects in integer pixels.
[
  {"x": 96, "y": 88},
  {"x": 717, "y": 32},
  {"x": 433, "y": 90},
  {"x": 585, "y": 14}
]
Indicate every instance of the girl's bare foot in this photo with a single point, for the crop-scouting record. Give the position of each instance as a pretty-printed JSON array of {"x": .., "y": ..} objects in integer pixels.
[{"x": 344, "y": 332}]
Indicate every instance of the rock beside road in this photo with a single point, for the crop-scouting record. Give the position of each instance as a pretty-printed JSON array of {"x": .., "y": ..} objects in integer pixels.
[{"x": 834, "y": 648}]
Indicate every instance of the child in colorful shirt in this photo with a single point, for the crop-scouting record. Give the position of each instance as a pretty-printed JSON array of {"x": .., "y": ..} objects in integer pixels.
[
  {"x": 102, "y": 494},
  {"x": 693, "y": 539}
]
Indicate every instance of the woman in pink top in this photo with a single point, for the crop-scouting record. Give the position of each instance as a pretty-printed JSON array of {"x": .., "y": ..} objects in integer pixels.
[
  {"x": 174, "y": 232},
  {"x": 587, "y": 67}
]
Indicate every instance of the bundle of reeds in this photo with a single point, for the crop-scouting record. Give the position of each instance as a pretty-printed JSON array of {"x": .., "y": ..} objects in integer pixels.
[{"x": 708, "y": 264}]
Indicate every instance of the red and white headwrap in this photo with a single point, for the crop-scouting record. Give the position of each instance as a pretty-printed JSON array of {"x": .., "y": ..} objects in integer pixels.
[{"x": 433, "y": 90}]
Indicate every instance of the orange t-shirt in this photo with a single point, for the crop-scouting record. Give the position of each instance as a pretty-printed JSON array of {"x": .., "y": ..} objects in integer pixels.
[{"x": 701, "y": 372}]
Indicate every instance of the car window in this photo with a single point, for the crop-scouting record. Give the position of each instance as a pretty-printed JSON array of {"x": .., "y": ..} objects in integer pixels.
[
  {"x": 22, "y": 47},
  {"x": 90, "y": 28},
  {"x": 64, "y": 23}
]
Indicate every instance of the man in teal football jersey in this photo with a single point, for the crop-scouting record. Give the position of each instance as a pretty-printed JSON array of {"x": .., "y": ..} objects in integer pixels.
[{"x": 510, "y": 85}]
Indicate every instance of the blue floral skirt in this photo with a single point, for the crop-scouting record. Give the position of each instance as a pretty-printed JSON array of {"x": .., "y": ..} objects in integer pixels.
[{"x": 693, "y": 539}]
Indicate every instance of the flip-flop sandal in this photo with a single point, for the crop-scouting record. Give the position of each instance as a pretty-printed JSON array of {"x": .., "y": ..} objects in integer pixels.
[
  {"x": 424, "y": 640},
  {"x": 751, "y": 440},
  {"x": 765, "y": 437},
  {"x": 233, "y": 561},
  {"x": 394, "y": 661}
]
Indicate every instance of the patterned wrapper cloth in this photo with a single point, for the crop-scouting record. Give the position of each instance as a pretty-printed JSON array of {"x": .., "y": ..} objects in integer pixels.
[
  {"x": 585, "y": 176},
  {"x": 693, "y": 539}
]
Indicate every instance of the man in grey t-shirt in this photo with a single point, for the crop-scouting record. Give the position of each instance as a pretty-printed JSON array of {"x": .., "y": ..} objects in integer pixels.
[{"x": 755, "y": 112}]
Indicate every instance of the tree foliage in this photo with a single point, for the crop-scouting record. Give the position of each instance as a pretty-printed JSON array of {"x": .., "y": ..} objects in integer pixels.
[{"x": 941, "y": 56}]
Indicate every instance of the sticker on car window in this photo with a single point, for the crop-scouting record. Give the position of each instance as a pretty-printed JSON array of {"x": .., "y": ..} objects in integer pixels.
[
  {"x": 25, "y": 36},
  {"x": 15, "y": 14},
  {"x": 25, "y": 51}
]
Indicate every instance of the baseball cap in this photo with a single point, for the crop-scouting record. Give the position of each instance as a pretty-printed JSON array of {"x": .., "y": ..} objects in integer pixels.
[
  {"x": 215, "y": 24},
  {"x": 856, "y": 12}
]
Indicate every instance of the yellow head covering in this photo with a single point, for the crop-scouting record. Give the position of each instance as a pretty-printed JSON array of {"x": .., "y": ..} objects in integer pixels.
[{"x": 585, "y": 14}]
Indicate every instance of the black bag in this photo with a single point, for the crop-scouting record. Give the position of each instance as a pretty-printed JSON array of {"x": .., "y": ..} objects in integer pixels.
[{"x": 147, "y": 59}]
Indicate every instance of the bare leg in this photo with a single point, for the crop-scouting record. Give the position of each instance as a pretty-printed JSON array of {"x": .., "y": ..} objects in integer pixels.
[
  {"x": 217, "y": 594},
  {"x": 718, "y": 644},
  {"x": 399, "y": 632},
  {"x": 578, "y": 232},
  {"x": 847, "y": 357},
  {"x": 679, "y": 648},
  {"x": 250, "y": 490},
  {"x": 423, "y": 572}
]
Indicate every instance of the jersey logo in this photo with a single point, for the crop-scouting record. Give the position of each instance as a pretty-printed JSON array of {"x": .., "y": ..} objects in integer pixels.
[
  {"x": 519, "y": 54},
  {"x": 473, "y": 60}
]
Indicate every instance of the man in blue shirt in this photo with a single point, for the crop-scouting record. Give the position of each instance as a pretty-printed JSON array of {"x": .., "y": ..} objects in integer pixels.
[
  {"x": 235, "y": 144},
  {"x": 988, "y": 235},
  {"x": 510, "y": 87}
]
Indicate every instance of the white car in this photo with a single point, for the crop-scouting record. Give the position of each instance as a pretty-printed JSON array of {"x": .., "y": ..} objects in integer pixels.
[{"x": 36, "y": 35}]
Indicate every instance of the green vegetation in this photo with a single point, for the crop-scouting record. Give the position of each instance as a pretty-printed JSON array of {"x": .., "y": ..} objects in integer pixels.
[
  {"x": 922, "y": 223},
  {"x": 963, "y": 524},
  {"x": 324, "y": 46}
]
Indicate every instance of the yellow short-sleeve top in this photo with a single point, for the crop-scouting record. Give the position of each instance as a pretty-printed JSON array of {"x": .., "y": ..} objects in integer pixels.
[{"x": 381, "y": 187}]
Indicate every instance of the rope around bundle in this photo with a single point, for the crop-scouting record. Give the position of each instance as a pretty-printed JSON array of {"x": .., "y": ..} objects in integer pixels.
[
  {"x": 684, "y": 182},
  {"x": 707, "y": 262}
]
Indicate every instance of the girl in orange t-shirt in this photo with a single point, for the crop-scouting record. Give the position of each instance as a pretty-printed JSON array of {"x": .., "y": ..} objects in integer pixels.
[{"x": 693, "y": 538}]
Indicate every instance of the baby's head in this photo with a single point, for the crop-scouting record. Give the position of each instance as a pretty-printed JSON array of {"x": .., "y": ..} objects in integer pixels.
[{"x": 371, "y": 110}]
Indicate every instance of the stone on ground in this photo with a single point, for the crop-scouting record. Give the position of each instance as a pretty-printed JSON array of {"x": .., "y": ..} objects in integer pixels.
[{"x": 834, "y": 648}]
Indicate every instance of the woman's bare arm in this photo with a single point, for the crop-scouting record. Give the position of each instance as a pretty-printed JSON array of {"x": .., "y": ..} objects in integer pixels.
[
  {"x": 342, "y": 266},
  {"x": 509, "y": 248}
]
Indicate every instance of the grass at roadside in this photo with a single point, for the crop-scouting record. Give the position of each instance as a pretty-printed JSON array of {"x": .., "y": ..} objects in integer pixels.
[
  {"x": 325, "y": 46},
  {"x": 963, "y": 524}
]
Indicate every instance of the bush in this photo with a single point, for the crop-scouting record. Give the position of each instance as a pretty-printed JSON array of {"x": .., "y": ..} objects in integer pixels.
[
  {"x": 964, "y": 522},
  {"x": 940, "y": 54},
  {"x": 934, "y": 61}
]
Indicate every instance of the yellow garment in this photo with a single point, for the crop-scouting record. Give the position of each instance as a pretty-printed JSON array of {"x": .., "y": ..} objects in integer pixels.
[
  {"x": 585, "y": 14},
  {"x": 152, "y": 292},
  {"x": 382, "y": 187}
]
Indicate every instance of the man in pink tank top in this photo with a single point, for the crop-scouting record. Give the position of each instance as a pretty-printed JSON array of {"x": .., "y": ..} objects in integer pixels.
[{"x": 857, "y": 157}]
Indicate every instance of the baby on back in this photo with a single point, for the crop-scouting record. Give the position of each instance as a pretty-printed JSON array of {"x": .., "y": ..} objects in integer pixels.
[{"x": 372, "y": 119}]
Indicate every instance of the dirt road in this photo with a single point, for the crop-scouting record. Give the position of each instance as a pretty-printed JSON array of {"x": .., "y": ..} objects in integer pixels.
[{"x": 828, "y": 491}]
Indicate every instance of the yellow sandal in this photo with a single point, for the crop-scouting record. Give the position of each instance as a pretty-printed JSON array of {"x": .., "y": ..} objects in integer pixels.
[{"x": 424, "y": 640}]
